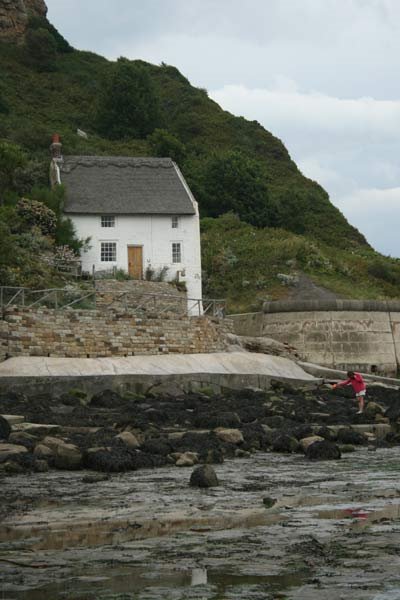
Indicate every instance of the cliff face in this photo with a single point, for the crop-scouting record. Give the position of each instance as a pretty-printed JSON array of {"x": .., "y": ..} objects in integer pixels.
[{"x": 14, "y": 15}]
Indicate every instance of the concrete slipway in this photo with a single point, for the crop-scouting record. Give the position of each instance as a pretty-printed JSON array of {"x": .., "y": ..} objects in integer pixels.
[{"x": 225, "y": 369}]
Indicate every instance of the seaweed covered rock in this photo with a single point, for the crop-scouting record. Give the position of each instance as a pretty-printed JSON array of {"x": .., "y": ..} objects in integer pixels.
[
  {"x": 285, "y": 443},
  {"x": 324, "y": 450},
  {"x": 347, "y": 435},
  {"x": 5, "y": 428},
  {"x": 204, "y": 477},
  {"x": 106, "y": 399}
]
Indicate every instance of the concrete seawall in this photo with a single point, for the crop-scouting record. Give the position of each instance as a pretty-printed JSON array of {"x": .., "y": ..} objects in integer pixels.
[{"x": 363, "y": 335}]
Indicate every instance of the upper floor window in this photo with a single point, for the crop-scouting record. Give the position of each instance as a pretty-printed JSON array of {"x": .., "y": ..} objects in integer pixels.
[
  {"x": 107, "y": 221},
  {"x": 108, "y": 252},
  {"x": 175, "y": 222},
  {"x": 176, "y": 252}
]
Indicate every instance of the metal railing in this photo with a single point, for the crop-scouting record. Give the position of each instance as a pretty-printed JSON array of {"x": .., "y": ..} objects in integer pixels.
[{"x": 140, "y": 303}]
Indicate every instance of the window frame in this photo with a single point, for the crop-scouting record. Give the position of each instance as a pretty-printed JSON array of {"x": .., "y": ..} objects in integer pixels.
[
  {"x": 103, "y": 251},
  {"x": 175, "y": 222},
  {"x": 103, "y": 220},
  {"x": 174, "y": 252}
]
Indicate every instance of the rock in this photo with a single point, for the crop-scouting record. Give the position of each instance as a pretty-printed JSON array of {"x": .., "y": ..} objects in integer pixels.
[
  {"x": 350, "y": 436},
  {"x": 38, "y": 429},
  {"x": 372, "y": 410},
  {"x": 68, "y": 456},
  {"x": 14, "y": 419},
  {"x": 156, "y": 446},
  {"x": 326, "y": 433},
  {"x": 305, "y": 442},
  {"x": 41, "y": 466},
  {"x": 301, "y": 432},
  {"x": 129, "y": 439},
  {"x": 285, "y": 443},
  {"x": 239, "y": 453},
  {"x": 204, "y": 477},
  {"x": 11, "y": 452},
  {"x": 22, "y": 439},
  {"x": 167, "y": 388},
  {"x": 106, "y": 399},
  {"x": 324, "y": 450},
  {"x": 5, "y": 429},
  {"x": 187, "y": 459},
  {"x": 346, "y": 448},
  {"x": 43, "y": 451},
  {"x": 12, "y": 467},
  {"x": 52, "y": 442},
  {"x": 95, "y": 478},
  {"x": 229, "y": 436},
  {"x": 269, "y": 502}
]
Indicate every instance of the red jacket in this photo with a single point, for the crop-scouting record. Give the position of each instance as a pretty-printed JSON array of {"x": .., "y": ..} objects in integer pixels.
[{"x": 357, "y": 383}]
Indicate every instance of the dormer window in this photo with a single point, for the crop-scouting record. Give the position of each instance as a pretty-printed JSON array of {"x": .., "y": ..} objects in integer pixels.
[
  {"x": 107, "y": 221},
  {"x": 175, "y": 222}
]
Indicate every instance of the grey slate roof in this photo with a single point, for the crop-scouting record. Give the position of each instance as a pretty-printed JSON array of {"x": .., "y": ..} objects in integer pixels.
[{"x": 123, "y": 185}]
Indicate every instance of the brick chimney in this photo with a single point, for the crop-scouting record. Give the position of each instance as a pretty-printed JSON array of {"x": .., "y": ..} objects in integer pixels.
[{"x": 55, "y": 148}]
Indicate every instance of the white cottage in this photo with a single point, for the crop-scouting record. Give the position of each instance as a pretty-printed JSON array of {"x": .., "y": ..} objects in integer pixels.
[{"x": 139, "y": 213}]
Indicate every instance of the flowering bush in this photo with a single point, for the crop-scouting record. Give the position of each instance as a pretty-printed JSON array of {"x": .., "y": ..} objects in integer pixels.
[{"x": 37, "y": 214}]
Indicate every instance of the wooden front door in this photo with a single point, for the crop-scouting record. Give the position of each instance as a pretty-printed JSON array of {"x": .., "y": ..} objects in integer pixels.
[{"x": 135, "y": 261}]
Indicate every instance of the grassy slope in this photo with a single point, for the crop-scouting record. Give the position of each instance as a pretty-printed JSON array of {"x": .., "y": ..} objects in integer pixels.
[{"x": 64, "y": 100}]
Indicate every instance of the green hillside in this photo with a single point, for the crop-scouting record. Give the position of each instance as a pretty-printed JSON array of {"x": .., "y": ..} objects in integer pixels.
[{"x": 232, "y": 165}]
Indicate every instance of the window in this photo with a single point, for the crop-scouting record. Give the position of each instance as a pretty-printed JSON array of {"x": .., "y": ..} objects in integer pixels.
[
  {"x": 108, "y": 251},
  {"x": 176, "y": 252},
  {"x": 175, "y": 222},
  {"x": 108, "y": 221}
]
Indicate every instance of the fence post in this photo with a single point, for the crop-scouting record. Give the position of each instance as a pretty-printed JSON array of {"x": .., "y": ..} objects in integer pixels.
[
  {"x": 93, "y": 272},
  {"x": 55, "y": 300}
]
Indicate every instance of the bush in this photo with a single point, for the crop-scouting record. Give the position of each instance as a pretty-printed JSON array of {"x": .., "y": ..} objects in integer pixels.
[
  {"x": 164, "y": 144},
  {"x": 41, "y": 49},
  {"x": 36, "y": 214}
]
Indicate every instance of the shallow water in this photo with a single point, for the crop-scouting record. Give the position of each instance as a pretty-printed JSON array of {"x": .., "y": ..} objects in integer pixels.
[{"x": 334, "y": 531}]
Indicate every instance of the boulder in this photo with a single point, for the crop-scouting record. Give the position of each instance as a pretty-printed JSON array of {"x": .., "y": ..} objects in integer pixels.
[
  {"x": 23, "y": 439},
  {"x": 229, "y": 436},
  {"x": 68, "y": 456},
  {"x": 326, "y": 433},
  {"x": 187, "y": 459},
  {"x": 324, "y": 450},
  {"x": 10, "y": 452},
  {"x": 41, "y": 466},
  {"x": 285, "y": 443},
  {"x": 204, "y": 477},
  {"x": 372, "y": 410},
  {"x": 346, "y": 448},
  {"x": 307, "y": 441},
  {"x": 52, "y": 442},
  {"x": 5, "y": 429},
  {"x": 269, "y": 502},
  {"x": 346, "y": 435},
  {"x": 42, "y": 451},
  {"x": 129, "y": 439},
  {"x": 167, "y": 388}
]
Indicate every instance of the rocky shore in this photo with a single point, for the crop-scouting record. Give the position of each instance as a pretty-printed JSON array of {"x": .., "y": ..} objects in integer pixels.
[{"x": 110, "y": 432}]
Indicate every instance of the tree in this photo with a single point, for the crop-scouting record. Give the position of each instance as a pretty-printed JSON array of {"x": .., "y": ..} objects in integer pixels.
[
  {"x": 164, "y": 144},
  {"x": 11, "y": 159},
  {"x": 41, "y": 49},
  {"x": 128, "y": 104},
  {"x": 233, "y": 182}
]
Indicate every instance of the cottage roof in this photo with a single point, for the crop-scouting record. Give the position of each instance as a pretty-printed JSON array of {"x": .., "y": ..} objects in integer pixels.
[{"x": 124, "y": 185}]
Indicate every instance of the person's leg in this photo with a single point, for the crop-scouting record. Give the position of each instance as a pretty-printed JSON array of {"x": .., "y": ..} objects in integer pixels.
[{"x": 361, "y": 403}]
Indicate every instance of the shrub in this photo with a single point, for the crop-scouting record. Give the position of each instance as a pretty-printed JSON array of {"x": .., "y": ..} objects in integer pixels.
[
  {"x": 164, "y": 144},
  {"x": 41, "y": 49},
  {"x": 36, "y": 214}
]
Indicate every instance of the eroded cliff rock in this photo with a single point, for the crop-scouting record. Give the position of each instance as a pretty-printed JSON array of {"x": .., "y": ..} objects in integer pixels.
[{"x": 14, "y": 16}]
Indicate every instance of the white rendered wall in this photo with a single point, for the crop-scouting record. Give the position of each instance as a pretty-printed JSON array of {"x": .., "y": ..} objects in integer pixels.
[{"x": 155, "y": 234}]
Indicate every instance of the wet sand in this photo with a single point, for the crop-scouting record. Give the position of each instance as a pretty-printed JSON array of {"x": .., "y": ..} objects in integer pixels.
[{"x": 332, "y": 533}]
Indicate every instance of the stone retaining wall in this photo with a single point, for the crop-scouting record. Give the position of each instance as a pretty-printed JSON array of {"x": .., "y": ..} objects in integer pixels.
[
  {"x": 342, "y": 334},
  {"x": 95, "y": 333},
  {"x": 154, "y": 296}
]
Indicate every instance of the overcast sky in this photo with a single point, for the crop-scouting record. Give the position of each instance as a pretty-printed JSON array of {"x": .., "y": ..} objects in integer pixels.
[{"x": 322, "y": 75}]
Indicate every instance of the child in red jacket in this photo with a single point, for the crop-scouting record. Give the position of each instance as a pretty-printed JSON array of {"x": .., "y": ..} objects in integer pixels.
[{"x": 358, "y": 384}]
